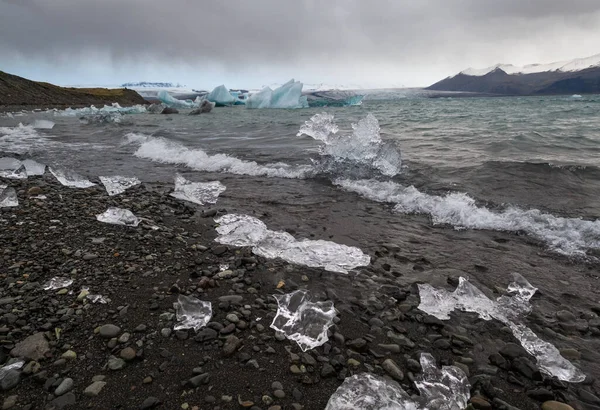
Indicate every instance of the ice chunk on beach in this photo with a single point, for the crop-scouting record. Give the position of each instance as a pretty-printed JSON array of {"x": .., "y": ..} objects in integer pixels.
[
  {"x": 19, "y": 173},
  {"x": 221, "y": 96},
  {"x": 245, "y": 230},
  {"x": 197, "y": 192},
  {"x": 192, "y": 313},
  {"x": 302, "y": 320},
  {"x": 8, "y": 163},
  {"x": 117, "y": 184},
  {"x": 118, "y": 216},
  {"x": 58, "y": 283},
  {"x": 8, "y": 197},
  {"x": 70, "y": 178},
  {"x": 509, "y": 310},
  {"x": 34, "y": 168},
  {"x": 288, "y": 96},
  {"x": 43, "y": 124},
  {"x": 440, "y": 389}
]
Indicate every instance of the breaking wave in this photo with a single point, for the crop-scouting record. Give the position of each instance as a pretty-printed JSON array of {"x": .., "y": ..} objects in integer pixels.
[{"x": 568, "y": 236}]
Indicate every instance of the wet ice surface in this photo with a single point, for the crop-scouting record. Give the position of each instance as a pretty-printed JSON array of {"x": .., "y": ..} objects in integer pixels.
[
  {"x": 116, "y": 185},
  {"x": 58, "y": 283},
  {"x": 509, "y": 310},
  {"x": 245, "y": 230},
  {"x": 8, "y": 197},
  {"x": 192, "y": 313},
  {"x": 13, "y": 168},
  {"x": 71, "y": 179},
  {"x": 197, "y": 192},
  {"x": 440, "y": 389},
  {"x": 34, "y": 168},
  {"x": 118, "y": 216},
  {"x": 302, "y": 320}
]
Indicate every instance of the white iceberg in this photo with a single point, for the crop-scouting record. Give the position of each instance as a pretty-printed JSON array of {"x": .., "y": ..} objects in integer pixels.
[
  {"x": 302, "y": 320},
  {"x": 170, "y": 101},
  {"x": 245, "y": 230},
  {"x": 118, "y": 216},
  {"x": 116, "y": 185},
  {"x": 71, "y": 179},
  {"x": 221, "y": 97},
  {"x": 192, "y": 313},
  {"x": 440, "y": 389},
  {"x": 508, "y": 310},
  {"x": 288, "y": 95},
  {"x": 8, "y": 197},
  {"x": 197, "y": 192},
  {"x": 57, "y": 283}
]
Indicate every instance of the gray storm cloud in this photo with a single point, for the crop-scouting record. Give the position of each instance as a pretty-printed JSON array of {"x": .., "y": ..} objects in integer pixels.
[{"x": 432, "y": 36}]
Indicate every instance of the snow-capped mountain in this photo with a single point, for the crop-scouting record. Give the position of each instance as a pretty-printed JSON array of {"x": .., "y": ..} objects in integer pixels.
[
  {"x": 577, "y": 64},
  {"x": 148, "y": 84}
]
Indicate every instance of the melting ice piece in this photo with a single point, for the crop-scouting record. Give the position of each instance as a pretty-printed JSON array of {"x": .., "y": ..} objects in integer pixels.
[
  {"x": 197, "y": 192},
  {"x": 302, "y": 320},
  {"x": 440, "y": 389},
  {"x": 43, "y": 124},
  {"x": 97, "y": 299},
  {"x": 8, "y": 197},
  {"x": 71, "y": 179},
  {"x": 117, "y": 184},
  {"x": 509, "y": 310},
  {"x": 245, "y": 230},
  {"x": 171, "y": 101},
  {"x": 58, "y": 283},
  {"x": 118, "y": 216},
  {"x": 221, "y": 96},
  {"x": 34, "y": 168},
  {"x": 288, "y": 95},
  {"x": 18, "y": 173},
  {"x": 192, "y": 313},
  {"x": 363, "y": 148}
]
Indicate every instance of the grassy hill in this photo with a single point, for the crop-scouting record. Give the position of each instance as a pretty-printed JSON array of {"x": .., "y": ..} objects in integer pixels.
[{"x": 18, "y": 92}]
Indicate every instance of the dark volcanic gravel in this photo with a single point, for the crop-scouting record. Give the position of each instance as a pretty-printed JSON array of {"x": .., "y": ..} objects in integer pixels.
[{"x": 125, "y": 354}]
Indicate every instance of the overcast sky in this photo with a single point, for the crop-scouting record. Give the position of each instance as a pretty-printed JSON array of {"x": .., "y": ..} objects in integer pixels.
[{"x": 250, "y": 43}]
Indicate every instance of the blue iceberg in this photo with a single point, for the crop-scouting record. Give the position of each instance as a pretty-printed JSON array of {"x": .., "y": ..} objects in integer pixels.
[
  {"x": 288, "y": 95},
  {"x": 221, "y": 97}
]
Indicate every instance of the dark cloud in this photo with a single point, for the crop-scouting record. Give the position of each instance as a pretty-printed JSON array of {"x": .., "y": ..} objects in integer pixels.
[{"x": 354, "y": 36}]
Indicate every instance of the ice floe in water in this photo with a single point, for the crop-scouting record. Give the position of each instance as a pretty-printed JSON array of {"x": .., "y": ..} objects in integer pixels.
[
  {"x": 43, "y": 124},
  {"x": 509, "y": 310},
  {"x": 117, "y": 184},
  {"x": 569, "y": 236},
  {"x": 197, "y": 192},
  {"x": 192, "y": 313},
  {"x": 289, "y": 95},
  {"x": 8, "y": 197},
  {"x": 118, "y": 216},
  {"x": 71, "y": 179},
  {"x": 221, "y": 96},
  {"x": 107, "y": 109},
  {"x": 58, "y": 283},
  {"x": 245, "y": 230},
  {"x": 364, "y": 147},
  {"x": 440, "y": 389},
  {"x": 302, "y": 320}
]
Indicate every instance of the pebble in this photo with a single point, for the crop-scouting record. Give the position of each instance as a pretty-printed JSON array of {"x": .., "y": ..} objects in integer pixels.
[
  {"x": 231, "y": 345},
  {"x": 65, "y": 386},
  {"x": 9, "y": 402},
  {"x": 69, "y": 355},
  {"x": 10, "y": 379},
  {"x": 94, "y": 389},
  {"x": 127, "y": 354},
  {"x": 150, "y": 403},
  {"x": 33, "y": 347},
  {"x": 115, "y": 363},
  {"x": 392, "y": 369},
  {"x": 555, "y": 405},
  {"x": 109, "y": 331}
]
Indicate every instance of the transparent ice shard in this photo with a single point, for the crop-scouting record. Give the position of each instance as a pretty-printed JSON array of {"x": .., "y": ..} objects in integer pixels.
[
  {"x": 58, "y": 283},
  {"x": 116, "y": 185},
  {"x": 509, "y": 310},
  {"x": 8, "y": 197},
  {"x": 97, "y": 299},
  {"x": 17, "y": 173},
  {"x": 197, "y": 192},
  {"x": 71, "y": 179},
  {"x": 245, "y": 230},
  {"x": 192, "y": 313},
  {"x": 118, "y": 216},
  {"x": 319, "y": 127},
  {"x": 302, "y": 320},
  {"x": 34, "y": 168},
  {"x": 440, "y": 389}
]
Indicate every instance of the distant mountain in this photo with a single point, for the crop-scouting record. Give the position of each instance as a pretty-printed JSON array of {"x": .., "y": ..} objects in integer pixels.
[
  {"x": 148, "y": 84},
  {"x": 578, "y": 76}
]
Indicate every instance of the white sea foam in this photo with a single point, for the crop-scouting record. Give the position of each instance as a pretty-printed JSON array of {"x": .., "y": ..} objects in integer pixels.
[
  {"x": 245, "y": 230},
  {"x": 569, "y": 236},
  {"x": 169, "y": 152}
]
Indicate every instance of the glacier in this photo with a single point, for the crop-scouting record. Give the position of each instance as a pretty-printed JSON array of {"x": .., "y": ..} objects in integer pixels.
[
  {"x": 289, "y": 95},
  {"x": 221, "y": 97}
]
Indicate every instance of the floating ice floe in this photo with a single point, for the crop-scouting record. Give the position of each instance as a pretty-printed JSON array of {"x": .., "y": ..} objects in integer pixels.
[
  {"x": 508, "y": 310},
  {"x": 364, "y": 147},
  {"x": 288, "y": 95},
  {"x": 245, "y": 230},
  {"x": 43, "y": 124},
  {"x": 569, "y": 236},
  {"x": 107, "y": 109},
  {"x": 170, "y": 101},
  {"x": 197, "y": 192},
  {"x": 116, "y": 185},
  {"x": 8, "y": 197},
  {"x": 118, "y": 216},
  {"x": 58, "y": 283},
  {"x": 192, "y": 313},
  {"x": 71, "y": 179},
  {"x": 102, "y": 118},
  {"x": 302, "y": 320},
  {"x": 440, "y": 389},
  {"x": 221, "y": 97}
]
